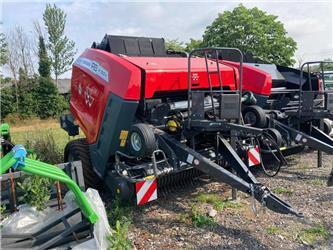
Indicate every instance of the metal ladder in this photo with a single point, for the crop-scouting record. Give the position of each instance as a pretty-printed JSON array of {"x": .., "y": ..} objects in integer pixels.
[
  {"x": 229, "y": 104},
  {"x": 313, "y": 104}
]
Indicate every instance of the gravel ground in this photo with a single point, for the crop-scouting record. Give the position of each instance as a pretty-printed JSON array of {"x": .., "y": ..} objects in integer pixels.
[{"x": 168, "y": 222}]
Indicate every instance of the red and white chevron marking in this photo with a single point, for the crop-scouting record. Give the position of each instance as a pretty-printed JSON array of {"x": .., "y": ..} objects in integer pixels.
[
  {"x": 146, "y": 191},
  {"x": 253, "y": 155}
]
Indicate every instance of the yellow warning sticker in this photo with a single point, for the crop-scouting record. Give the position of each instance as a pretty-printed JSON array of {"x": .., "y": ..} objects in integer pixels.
[
  {"x": 122, "y": 143},
  {"x": 150, "y": 177},
  {"x": 123, "y": 134}
]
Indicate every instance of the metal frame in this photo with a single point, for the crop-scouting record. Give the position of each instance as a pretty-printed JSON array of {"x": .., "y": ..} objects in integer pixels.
[
  {"x": 73, "y": 170},
  {"x": 43, "y": 239},
  {"x": 242, "y": 179},
  {"x": 215, "y": 53},
  {"x": 311, "y": 111}
]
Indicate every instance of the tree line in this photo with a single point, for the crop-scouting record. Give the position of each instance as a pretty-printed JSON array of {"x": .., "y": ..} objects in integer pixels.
[
  {"x": 30, "y": 91},
  {"x": 33, "y": 92}
]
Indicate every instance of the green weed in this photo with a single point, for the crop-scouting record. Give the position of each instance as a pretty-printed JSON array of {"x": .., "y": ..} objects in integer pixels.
[
  {"x": 184, "y": 218},
  {"x": 118, "y": 239},
  {"x": 37, "y": 191},
  {"x": 202, "y": 220},
  {"x": 313, "y": 234},
  {"x": 2, "y": 211},
  {"x": 316, "y": 182},
  {"x": 119, "y": 212},
  {"x": 120, "y": 218},
  {"x": 282, "y": 190},
  {"x": 199, "y": 219},
  {"x": 272, "y": 230},
  {"x": 218, "y": 202}
]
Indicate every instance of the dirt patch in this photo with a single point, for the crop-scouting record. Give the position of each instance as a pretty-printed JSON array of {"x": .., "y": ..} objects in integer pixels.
[{"x": 168, "y": 222}]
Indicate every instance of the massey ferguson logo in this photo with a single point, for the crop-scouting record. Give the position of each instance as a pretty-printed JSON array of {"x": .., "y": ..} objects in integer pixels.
[
  {"x": 195, "y": 77},
  {"x": 88, "y": 97},
  {"x": 86, "y": 93}
]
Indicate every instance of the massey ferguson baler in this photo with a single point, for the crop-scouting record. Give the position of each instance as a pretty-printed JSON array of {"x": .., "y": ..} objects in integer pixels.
[
  {"x": 295, "y": 103},
  {"x": 155, "y": 119}
]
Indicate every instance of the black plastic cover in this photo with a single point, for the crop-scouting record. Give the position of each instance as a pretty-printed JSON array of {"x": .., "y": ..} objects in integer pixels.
[{"x": 133, "y": 46}]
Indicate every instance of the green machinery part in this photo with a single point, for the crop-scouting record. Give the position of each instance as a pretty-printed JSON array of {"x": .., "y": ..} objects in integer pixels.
[
  {"x": 16, "y": 158},
  {"x": 4, "y": 129}
]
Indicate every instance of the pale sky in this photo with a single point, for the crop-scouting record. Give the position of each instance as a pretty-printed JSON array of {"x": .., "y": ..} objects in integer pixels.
[{"x": 310, "y": 23}]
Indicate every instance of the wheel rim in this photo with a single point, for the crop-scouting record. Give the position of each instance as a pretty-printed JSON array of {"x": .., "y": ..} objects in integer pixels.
[
  {"x": 250, "y": 118},
  {"x": 136, "y": 142}
]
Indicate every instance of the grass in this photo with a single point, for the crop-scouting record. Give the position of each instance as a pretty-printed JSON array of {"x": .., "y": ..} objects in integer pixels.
[
  {"x": 196, "y": 217},
  {"x": 281, "y": 190},
  {"x": 44, "y": 137},
  {"x": 22, "y": 133},
  {"x": 218, "y": 202},
  {"x": 200, "y": 219},
  {"x": 272, "y": 230},
  {"x": 316, "y": 182},
  {"x": 312, "y": 235}
]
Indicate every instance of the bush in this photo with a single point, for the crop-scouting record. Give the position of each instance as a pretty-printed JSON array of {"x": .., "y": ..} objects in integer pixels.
[
  {"x": 50, "y": 103},
  {"x": 36, "y": 97},
  {"x": 7, "y": 101},
  {"x": 37, "y": 191},
  {"x": 46, "y": 149},
  {"x": 27, "y": 104}
]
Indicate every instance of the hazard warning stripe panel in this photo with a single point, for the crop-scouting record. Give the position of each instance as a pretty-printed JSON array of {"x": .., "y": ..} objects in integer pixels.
[
  {"x": 253, "y": 155},
  {"x": 146, "y": 191}
]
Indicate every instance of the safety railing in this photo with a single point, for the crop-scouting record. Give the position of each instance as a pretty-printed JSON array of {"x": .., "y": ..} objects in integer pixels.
[{"x": 212, "y": 56}]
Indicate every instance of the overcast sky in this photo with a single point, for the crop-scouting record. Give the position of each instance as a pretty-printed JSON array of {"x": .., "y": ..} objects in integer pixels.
[{"x": 310, "y": 23}]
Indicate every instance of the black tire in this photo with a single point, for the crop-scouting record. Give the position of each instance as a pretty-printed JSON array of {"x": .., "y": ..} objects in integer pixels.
[
  {"x": 147, "y": 137},
  {"x": 276, "y": 135},
  {"x": 255, "y": 116},
  {"x": 327, "y": 127},
  {"x": 272, "y": 141},
  {"x": 78, "y": 150}
]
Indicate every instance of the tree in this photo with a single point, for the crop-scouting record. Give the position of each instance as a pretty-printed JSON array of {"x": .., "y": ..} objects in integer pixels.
[
  {"x": 44, "y": 67},
  {"x": 19, "y": 52},
  {"x": 49, "y": 102},
  {"x": 174, "y": 44},
  {"x": 62, "y": 50},
  {"x": 7, "y": 99},
  {"x": 3, "y": 49},
  {"x": 252, "y": 30},
  {"x": 326, "y": 66},
  {"x": 26, "y": 94},
  {"x": 193, "y": 44}
]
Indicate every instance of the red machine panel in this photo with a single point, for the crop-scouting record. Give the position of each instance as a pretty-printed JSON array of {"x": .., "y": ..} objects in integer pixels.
[
  {"x": 254, "y": 80},
  {"x": 171, "y": 74},
  {"x": 98, "y": 73},
  {"x": 95, "y": 75}
]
